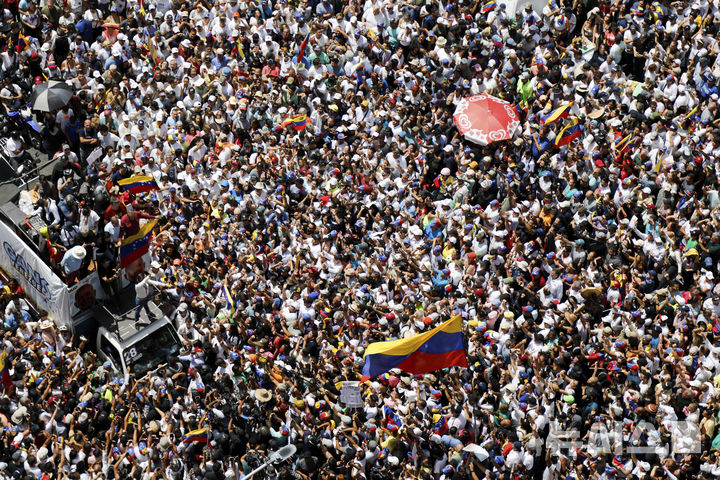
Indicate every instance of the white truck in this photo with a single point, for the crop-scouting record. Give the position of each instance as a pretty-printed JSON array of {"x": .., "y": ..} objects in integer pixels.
[{"x": 112, "y": 333}]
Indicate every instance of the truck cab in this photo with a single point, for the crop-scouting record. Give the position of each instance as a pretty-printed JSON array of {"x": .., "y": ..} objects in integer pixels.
[{"x": 140, "y": 353}]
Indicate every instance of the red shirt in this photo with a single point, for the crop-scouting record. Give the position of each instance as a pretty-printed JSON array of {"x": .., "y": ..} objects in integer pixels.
[
  {"x": 110, "y": 212},
  {"x": 131, "y": 226}
]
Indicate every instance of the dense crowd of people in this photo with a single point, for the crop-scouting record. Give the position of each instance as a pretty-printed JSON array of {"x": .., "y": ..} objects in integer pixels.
[{"x": 314, "y": 196}]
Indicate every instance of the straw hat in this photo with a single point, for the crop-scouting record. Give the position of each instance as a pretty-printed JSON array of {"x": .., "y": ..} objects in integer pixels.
[
  {"x": 262, "y": 395},
  {"x": 78, "y": 252}
]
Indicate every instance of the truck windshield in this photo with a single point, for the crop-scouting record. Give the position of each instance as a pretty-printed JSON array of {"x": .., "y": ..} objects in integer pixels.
[{"x": 151, "y": 351}]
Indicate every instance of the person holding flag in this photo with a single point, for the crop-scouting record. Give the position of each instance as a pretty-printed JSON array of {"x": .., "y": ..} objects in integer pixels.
[{"x": 303, "y": 47}]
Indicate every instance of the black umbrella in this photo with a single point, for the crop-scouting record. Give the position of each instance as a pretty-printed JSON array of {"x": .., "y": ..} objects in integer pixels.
[{"x": 50, "y": 96}]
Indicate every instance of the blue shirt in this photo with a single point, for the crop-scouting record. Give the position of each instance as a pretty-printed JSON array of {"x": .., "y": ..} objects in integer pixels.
[
  {"x": 432, "y": 233},
  {"x": 70, "y": 263},
  {"x": 450, "y": 441},
  {"x": 219, "y": 64},
  {"x": 706, "y": 90},
  {"x": 73, "y": 132},
  {"x": 544, "y": 144},
  {"x": 440, "y": 280},
  {"x": 12, "y": 319},
  {"x": 112, "y": 61}
]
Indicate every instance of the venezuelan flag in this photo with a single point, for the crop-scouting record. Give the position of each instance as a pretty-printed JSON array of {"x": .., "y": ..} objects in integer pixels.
[
  {"x": 561, "y": 112},
  {"x": 4, "y": 372},
  {"x": 393, "y": 420},
  {"x": 630, "y": 144},
  {"x": 299, "y": 122},
  {"x": 571, "y": 131},
  {"x": 137, "y": 245},
  {"x": 240, "y": 50},
  {"x": 303, "y": 46},
  {"x": 489, "y": 6},
  {"x": 658, "y": 163},
  {"x": 441, "y": 426},
  {"x": 625, "y": 143},
  {"x": 200, "y": 435},
  {"x": 228, "y": 299},
  {"x": 439, "y": 348},
  {"x": 138, "y": 184}
]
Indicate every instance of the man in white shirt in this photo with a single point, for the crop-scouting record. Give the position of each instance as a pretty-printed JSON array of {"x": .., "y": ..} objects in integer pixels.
[
  {"x": 113, "y": 228},
  {"x": 143, "y": 294}
]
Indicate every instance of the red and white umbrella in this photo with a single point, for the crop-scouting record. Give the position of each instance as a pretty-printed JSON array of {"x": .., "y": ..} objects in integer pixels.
[{"x": 484, "y": 119}]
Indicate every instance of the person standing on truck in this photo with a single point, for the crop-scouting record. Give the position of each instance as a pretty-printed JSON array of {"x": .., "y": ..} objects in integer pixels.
[
  {"x": 143, "y": 293},
  {"x": 116, "y": 208},
  {"x": 109, "y": 273},
  {"x": 130, "y": 222}
]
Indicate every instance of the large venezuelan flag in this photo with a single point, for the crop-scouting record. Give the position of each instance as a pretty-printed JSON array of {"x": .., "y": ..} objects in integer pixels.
[
  {"x": 138, "y": 184},
  {"x": 439, "y": 348},
  {"x": 136, "y": 246}
]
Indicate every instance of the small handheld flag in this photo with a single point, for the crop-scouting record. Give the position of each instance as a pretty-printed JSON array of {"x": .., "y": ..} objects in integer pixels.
[
  {"x": 303, "y": 46},
  {"x": 298, "y": 122},
  {"x": 560, "y": 112},
  {"x": 393, "y": 420},
  {"x": 200, "y": 435},
  {"x": 569, "y": 133},
  {"x": 630, "y": 144},
  {"x": 489, "y": 6},
  {"x": 228, "y": 299},
  {"x": 621, "y": 143},
  {"x": 441, "y": 426}
]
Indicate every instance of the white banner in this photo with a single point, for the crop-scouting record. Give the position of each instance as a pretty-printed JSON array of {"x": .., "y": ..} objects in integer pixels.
[{"x": 38, "y": 280}]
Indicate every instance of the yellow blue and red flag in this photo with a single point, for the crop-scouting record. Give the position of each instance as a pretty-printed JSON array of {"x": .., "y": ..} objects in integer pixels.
[
  {"x": 620, "y": 140},
  {"x": 138, "y": 184},
  {"x": 570, "y": 132},
  {"x": 560, "y": 112},
  {"x": 228, "y": 299},
  {"x": 303, "y": 46},
  {"x": 137, "y": 245},
  {"x": 489, "y": 6},
  {"x": 200, "y": 435},
  {"x": 441, "y": 347},
  {"x": 393, "y": 421},
  {"x": 298, "y": 122},
  {"x": 4, "y": 372},
  {"x": 629, "y": 144}
]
